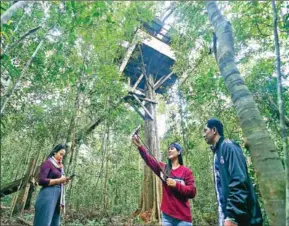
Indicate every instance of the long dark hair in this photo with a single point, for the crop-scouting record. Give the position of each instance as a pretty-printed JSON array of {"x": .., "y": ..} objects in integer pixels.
[
  {"x": 168, "y": 168},
  {"x": 57, "y": 148}
]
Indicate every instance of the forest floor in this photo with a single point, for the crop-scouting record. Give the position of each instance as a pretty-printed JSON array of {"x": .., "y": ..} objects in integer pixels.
[
  {"x": 7, "y": 220},
  {"x": 87, "y": 218}
]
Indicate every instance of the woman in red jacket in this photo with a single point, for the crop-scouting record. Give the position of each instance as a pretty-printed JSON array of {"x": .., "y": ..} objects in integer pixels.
[{"x": 178, "y": 187}]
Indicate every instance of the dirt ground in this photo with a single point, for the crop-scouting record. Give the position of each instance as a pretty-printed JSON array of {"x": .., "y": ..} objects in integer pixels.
[{"x": 73, "y": 219}]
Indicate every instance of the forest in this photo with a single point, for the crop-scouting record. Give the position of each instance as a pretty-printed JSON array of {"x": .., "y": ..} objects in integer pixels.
[{"x": 88, "y": 73}]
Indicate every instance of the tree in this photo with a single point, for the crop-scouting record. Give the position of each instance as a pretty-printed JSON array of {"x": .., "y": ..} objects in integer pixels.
[
  {"x": 281, "y": 107},
  {"x": 151, "y": 195},
  {"x": 267, "y": 164},
  {"x": 9, "y": 13}
]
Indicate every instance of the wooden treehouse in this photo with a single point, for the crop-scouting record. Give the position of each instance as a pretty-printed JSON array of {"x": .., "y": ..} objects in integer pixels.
[{"x": 148, "y": 66}]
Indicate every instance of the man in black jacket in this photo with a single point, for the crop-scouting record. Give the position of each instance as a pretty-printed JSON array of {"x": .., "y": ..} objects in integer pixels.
[{"x": 237, "y": 202}]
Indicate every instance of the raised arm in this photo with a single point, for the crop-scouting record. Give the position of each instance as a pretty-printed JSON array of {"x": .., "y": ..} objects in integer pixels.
[{"x": 150, "y": 161}]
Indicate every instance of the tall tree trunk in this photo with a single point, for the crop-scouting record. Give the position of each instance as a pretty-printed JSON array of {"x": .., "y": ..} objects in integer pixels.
[
  {"x": 181, "y": 112},
  {"x": 71, "y": 139},
  {"x": 9, "y": 12},
  {"x": 10, "y": 93},
  {"x": 116, "y": 197},
  {"x": 29, "y": 197},
  {"x": 151, "y": 185},
  {"x": 281, "y": 107},
  {"x": 105, "y": 187},
  {"x": 268, "y": 166}
]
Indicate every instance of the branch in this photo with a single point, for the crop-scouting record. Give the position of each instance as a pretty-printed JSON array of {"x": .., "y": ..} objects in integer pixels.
[
  {"x": 276, "y": 110},
  {"x": 28, "y": 33},
  {"x": 83, "y": 134},
  {"x": 193, "y": 69},
  {"x": 10, "y": 93},
  {"x": 172, "y": 8},
  {"x": 33, "y": 30},
  {"x": 259, "y": 30},
  {"x": 9, "y": 12},
  {"x": 272, "y": 105},
  {"x": 24, "y": 221}
]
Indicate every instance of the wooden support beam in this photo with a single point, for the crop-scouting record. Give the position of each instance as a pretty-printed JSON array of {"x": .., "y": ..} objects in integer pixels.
[
  {"x": 128, "y": 81},
  {"x": 148, "y": 100},
  {"x": 162, "y": 80},
  {"x": 18, "y": 206},
  {"x": 128, "y": 53},
  {"x": 137, "y": 82},
  {"x": 4, "y": 208},
  {"x": 139, "y": 112},
  {"x": 143, "y": 106},
  {"x": 142, "y": 97},
  {"x": 30, "y": 194},
  {"x": 139, "y": 93},
  {"x": 11, "y": 187}
]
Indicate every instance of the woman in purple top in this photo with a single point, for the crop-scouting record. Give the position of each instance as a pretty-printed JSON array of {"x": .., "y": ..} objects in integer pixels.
[{"x": 51, "y": 195}]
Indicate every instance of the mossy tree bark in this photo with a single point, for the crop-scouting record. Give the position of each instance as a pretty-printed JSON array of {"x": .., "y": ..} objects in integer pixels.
[{"x": 268, "y": 166}]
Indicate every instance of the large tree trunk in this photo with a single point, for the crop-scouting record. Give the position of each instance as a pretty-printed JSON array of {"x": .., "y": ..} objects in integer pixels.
[
  {"x": 268, "y": 166},
  {"x": 281, "y": 107},
  {"x": 151, "y": 186},
  {"x": 6, "y": 16}
]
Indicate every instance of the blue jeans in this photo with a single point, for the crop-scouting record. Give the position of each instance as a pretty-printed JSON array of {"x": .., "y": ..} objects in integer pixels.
[
  {"x": 47, "y": 207},
  {"x": 170, "y": 221}
]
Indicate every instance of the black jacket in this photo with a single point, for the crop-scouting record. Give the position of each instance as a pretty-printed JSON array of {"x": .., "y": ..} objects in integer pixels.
[{"x": 240, "y": 201}]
